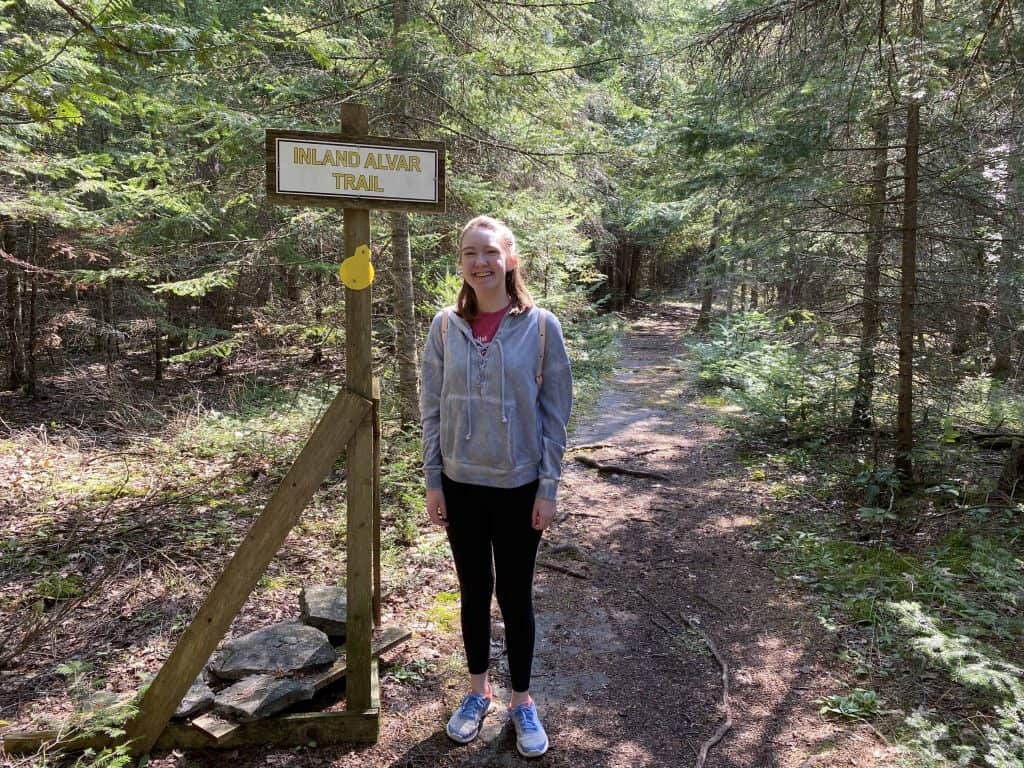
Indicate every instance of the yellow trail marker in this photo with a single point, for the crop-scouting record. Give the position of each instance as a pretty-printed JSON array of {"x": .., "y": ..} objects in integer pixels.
[{"x": 356, "y": 272}]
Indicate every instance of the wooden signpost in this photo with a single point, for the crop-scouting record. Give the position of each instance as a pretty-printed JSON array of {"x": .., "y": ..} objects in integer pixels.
[{"x": 358, "y": 173}]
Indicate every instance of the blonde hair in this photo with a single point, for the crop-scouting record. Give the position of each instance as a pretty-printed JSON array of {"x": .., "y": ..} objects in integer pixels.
[{"x": 466, "y": 304}]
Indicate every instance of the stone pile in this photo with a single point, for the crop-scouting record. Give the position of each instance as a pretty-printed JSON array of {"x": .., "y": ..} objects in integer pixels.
[{"x": 265, "y": 671}]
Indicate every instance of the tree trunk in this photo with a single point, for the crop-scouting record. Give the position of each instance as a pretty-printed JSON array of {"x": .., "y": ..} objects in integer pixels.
[
  {"x": 403, "y": 65},
  {"x": 33, "y": 321},
  {"x": 908, "y": 278},
  {"x": 864, "y": 390},
  {"x": 17, "y": 372},
  {"x": 405, "y": 319},
  {"x": 708, "y": 295},
  {"x": 1007, "y": 311},
  {"x": 635, "y": 263}
]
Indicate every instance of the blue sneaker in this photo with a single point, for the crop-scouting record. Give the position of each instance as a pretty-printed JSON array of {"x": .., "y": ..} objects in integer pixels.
[
  {"x": 531, "y": 740},
  {"x": 465, "y": 722}
]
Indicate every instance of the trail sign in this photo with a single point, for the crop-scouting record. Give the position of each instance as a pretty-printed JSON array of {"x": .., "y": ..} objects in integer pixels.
[{"x": 343, "y": 171}]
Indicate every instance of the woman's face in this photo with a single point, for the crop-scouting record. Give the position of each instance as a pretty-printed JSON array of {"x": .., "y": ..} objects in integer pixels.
[{"x": 484, "y": 260}]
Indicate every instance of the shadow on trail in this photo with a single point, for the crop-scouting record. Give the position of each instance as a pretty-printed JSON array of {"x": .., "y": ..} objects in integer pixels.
[{"x": 622, "y": 680}]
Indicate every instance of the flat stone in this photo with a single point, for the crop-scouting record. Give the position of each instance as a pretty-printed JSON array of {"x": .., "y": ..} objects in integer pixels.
[
  {"x": 325, "y": 608},
  {"x": 279, "y": 648},
  {"x": 198, "y": 699},
  {"x": 261, "y": 696}
]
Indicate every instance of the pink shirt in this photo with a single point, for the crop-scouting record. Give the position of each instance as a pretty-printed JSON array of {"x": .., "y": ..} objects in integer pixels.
[{"x": 486, "y": 324}]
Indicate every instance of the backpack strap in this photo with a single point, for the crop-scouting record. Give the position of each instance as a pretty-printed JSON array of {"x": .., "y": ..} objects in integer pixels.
[
  {"x": 444, "y": 328},
  {"x": 542, "y": 331}
]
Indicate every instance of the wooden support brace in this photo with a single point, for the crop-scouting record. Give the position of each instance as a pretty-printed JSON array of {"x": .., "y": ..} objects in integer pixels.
[
  {"x": 376, "y": 504},
  {"x": 332, "y": 434}
]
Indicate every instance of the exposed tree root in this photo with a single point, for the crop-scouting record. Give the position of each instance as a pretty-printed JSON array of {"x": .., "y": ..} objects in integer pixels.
[
  {"x": 723, "y": 727},
  {"x": 562, "y": 569},
  {"x": 618, "y": 470}
]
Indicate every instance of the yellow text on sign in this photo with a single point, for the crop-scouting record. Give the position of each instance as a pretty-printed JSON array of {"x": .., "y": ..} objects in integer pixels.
[{"x": 348, "y": 158}]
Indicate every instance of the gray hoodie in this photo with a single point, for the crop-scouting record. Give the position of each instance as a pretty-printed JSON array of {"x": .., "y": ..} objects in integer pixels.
[{"x": 486, "y": 419}]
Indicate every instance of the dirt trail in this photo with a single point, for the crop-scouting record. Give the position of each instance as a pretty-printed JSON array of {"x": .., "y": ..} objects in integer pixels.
[{"x": 620, "y": 679}]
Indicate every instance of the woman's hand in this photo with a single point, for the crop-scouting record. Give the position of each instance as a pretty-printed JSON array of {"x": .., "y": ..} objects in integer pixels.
[
  {"x": 543, "y": 513},
  {"x": 435, "y": 507}
]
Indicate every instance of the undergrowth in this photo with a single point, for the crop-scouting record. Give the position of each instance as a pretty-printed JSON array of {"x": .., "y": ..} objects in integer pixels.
[
  {"x": 137, "y": 531},
  {"x": 922, "y": 586}
]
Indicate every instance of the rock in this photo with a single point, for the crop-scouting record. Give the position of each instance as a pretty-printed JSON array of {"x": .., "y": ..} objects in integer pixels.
[
  {"x": 278, "y": 648},
  {"x": 198, "y": 699},
  {"x": 325, "y": 608},
  {"x": 261, "y": 696}
]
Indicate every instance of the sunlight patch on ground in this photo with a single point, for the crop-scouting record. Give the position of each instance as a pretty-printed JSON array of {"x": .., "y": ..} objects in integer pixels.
[{"x": 730, "y": 522}]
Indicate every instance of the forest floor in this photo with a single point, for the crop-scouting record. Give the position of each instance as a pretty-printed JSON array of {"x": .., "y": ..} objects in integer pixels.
[{"x": 636, "y": 575}]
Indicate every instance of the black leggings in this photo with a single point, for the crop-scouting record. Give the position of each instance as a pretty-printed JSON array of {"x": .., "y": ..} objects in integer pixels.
[{"x": 482, "y": 520}]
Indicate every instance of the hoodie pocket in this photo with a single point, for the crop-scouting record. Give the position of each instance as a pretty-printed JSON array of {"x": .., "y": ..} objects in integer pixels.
[{"x": 479, "y": 438}]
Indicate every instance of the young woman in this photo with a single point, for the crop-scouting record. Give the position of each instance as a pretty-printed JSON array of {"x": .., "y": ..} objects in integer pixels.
[{"x": 495, "y": 403}]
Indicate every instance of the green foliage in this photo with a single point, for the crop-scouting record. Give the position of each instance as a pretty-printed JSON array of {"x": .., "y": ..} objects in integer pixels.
[
  {"x": 220, "y": 349},
  {"x": 265, "y": 422},
  {"x": 56, "y": 586},
  {"x": 952, "y": 605},
  {"x": 444, "y": 612},
  {"x": 197, "y": 286},
  {"x": 402, "y": 487},
  {"x": 414, "y": 672},
  {"x": 972, "y": 664},
  {"x": 858, "y": 704},
  {"x": 780, "y": 382},
  {"x": 593, "y": 346}
]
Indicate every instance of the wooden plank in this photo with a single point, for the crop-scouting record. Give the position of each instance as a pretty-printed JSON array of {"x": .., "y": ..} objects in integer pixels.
[
  {"x": 295, "y": 730},
  {"x": 375, "y": 684},
  {"x": 390, "y": 637},
  {"x": 359, "y": 497},
  {"x": 301, "y": 729},
  {"x": 376, "y": 503},
  {"x": 217, "y": 728},
  {"x": 199, "y": 640},
  {"x": 29, "y": 742}
]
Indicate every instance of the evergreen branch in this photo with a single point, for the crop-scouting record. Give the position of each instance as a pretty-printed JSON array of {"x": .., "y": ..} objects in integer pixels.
[
  {"x": 583, "y": 4},
  {"x": 582, "y": 64},
  {"x": 91, "y": 26},
  {"x": 335, "y": 22},
  {"x": 11, "y": 259},
  {"x": 60, "y": 51},
  {"x": 499, "y": 145},
  {"x": 977, "y": 52}
]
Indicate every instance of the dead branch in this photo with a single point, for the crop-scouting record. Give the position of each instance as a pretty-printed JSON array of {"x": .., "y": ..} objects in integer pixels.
[
  {"x": 723, "y": 727},
  {"x": 589, "y": 447},
  {"x": 617, "y": 469},
  {"x": 46, "y": 622},
  {"x": 563, "y": 569}
]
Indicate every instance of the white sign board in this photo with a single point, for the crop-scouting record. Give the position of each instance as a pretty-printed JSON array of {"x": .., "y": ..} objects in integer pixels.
[{"x": 319, "y": 169}]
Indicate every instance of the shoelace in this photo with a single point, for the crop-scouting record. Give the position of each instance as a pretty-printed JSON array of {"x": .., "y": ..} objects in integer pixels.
[
  {"x": 526, "y": 717},
  {"x": 472, "y": 705}
]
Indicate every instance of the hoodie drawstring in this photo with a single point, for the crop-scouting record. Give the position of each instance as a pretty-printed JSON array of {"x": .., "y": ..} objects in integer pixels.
[
  {"x": 497, "y": 343},
  {"x": 469, "y": 384},
  {"x": 469, "y": 388}
]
